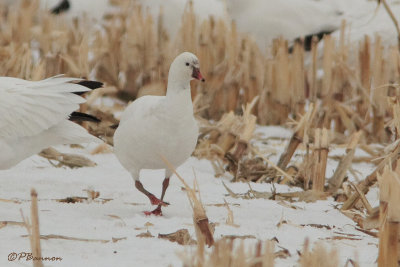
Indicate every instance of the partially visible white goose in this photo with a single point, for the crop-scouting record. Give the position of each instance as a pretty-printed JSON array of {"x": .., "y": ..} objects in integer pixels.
[
  {"x": 365, "y": 18},
  {"x": 34, "y": 116},
  {"x": 266, "y": 20},
  {"x": 153, "y": 127}
]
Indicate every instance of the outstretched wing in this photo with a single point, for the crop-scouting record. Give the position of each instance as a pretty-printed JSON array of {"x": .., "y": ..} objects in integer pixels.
[{"x": 30, "y": 107}]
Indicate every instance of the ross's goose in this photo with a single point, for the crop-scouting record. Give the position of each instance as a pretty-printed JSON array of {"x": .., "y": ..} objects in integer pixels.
[
  {"x": 266, "y": 20},
  {"x": 34, "y": 115},
  {"x": 365, "y": 18},
  {"x": 153, "y": 127}
]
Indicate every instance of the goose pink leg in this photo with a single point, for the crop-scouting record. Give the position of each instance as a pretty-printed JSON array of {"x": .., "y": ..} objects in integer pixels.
[
  {"x": 157, "y": 211},
  {"x": 152, "y": 198}
]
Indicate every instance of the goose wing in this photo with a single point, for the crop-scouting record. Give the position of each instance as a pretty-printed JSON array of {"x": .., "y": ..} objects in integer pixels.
[{"x": 30, "y": 107}]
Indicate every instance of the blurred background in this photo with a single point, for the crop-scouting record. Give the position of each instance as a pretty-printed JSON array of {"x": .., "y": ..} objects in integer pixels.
[{"x": 341, "y": 55}]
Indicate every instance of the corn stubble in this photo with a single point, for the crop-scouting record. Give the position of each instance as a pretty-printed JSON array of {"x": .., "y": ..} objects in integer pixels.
[
  {"x": 132, "y": 53},
  {"x": 389, "y": 217},
  {"x": 352, "y": 102}
]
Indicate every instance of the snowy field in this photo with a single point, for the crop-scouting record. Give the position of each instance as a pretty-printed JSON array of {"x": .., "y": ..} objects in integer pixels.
[
  {"x": 111, "y": 228},
  {"x": 113, "y": 221}
]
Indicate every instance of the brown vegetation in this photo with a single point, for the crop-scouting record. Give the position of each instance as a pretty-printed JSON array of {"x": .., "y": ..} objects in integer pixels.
[{"x": 344, "y": 94}]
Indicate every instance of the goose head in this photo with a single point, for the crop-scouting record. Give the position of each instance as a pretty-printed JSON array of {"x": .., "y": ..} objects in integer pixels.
[{"x": 185, "y": 68}]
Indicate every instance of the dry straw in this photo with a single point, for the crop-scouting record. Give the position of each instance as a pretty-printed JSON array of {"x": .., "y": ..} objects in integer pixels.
[
  {"x": 389, "y": 185},
  {"x": 33, "y": 231},
  {"x": 227, "y": 252},
  {"x": 203, "y": 229},
  {"x": 318, "y": 256},
  {"x": 132, "y": 53}
]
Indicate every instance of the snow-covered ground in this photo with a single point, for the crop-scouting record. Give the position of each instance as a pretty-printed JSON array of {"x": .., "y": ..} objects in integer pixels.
[{"x": 122, "y": 218}]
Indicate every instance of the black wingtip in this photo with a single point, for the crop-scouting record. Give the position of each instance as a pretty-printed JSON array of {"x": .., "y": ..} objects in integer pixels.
[
  {"x": 91, "y": 84},
  {"x": 307, "y": 40},
  {"x": 61, "y": 7},
  {"x": 79, "y": 117}
]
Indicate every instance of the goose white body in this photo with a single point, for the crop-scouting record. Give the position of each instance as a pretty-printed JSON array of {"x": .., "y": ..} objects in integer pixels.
[
  {"x": 158, "y": 128},
  {"x": 153, "y": 127}
]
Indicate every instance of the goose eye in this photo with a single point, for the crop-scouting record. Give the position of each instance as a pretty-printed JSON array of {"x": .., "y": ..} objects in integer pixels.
[{"x": 187, "y": 64}]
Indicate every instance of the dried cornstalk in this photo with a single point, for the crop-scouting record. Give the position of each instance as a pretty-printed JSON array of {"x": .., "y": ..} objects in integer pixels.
[
  {"x": 63, "y": 237},
  {"x": 371, "y": 179},
  {"x": 363, "y": 199},
  {"x": 337, "y": 178},
  {"x": 278, "y": 170},
  {"x": 230, "y": 218},
  {"x": 282, "y": 72},
  {"x": 389, "y": 184},
  {"x": 394, "y": 124},
  {"x": 244, "y": 129},
  {"x": 224, "y": 253},
  {"x": 318, "y": 256},
  {"x": 327, "y": 65},
  {"x": 298, "y": 79},
  {"x": 182, "y": 237},
  {"x": 379, "y": 93},
  {"x": 33, "y": 231},
  {"x": 383, "y": 205},
  {"x": 200, "y": 219},
  {"x": 70, "y": 160},
  {"x": 313, "y": 71},
  {"x": 297, "y": 138},
  {"x": 345, "y": 117},
  {"x": 35, "y": 237},
  {"x": 321, "y": 149},
  {"x": 226, "y": 141},
  {"x": 364, "y": 55}
]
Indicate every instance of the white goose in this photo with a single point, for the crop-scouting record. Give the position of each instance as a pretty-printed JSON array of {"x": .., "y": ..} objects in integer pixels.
[
  {"x": 34, "y": 116},
  {"x": 153, "y": 127},
  {"x": 266, "y": 20}
]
